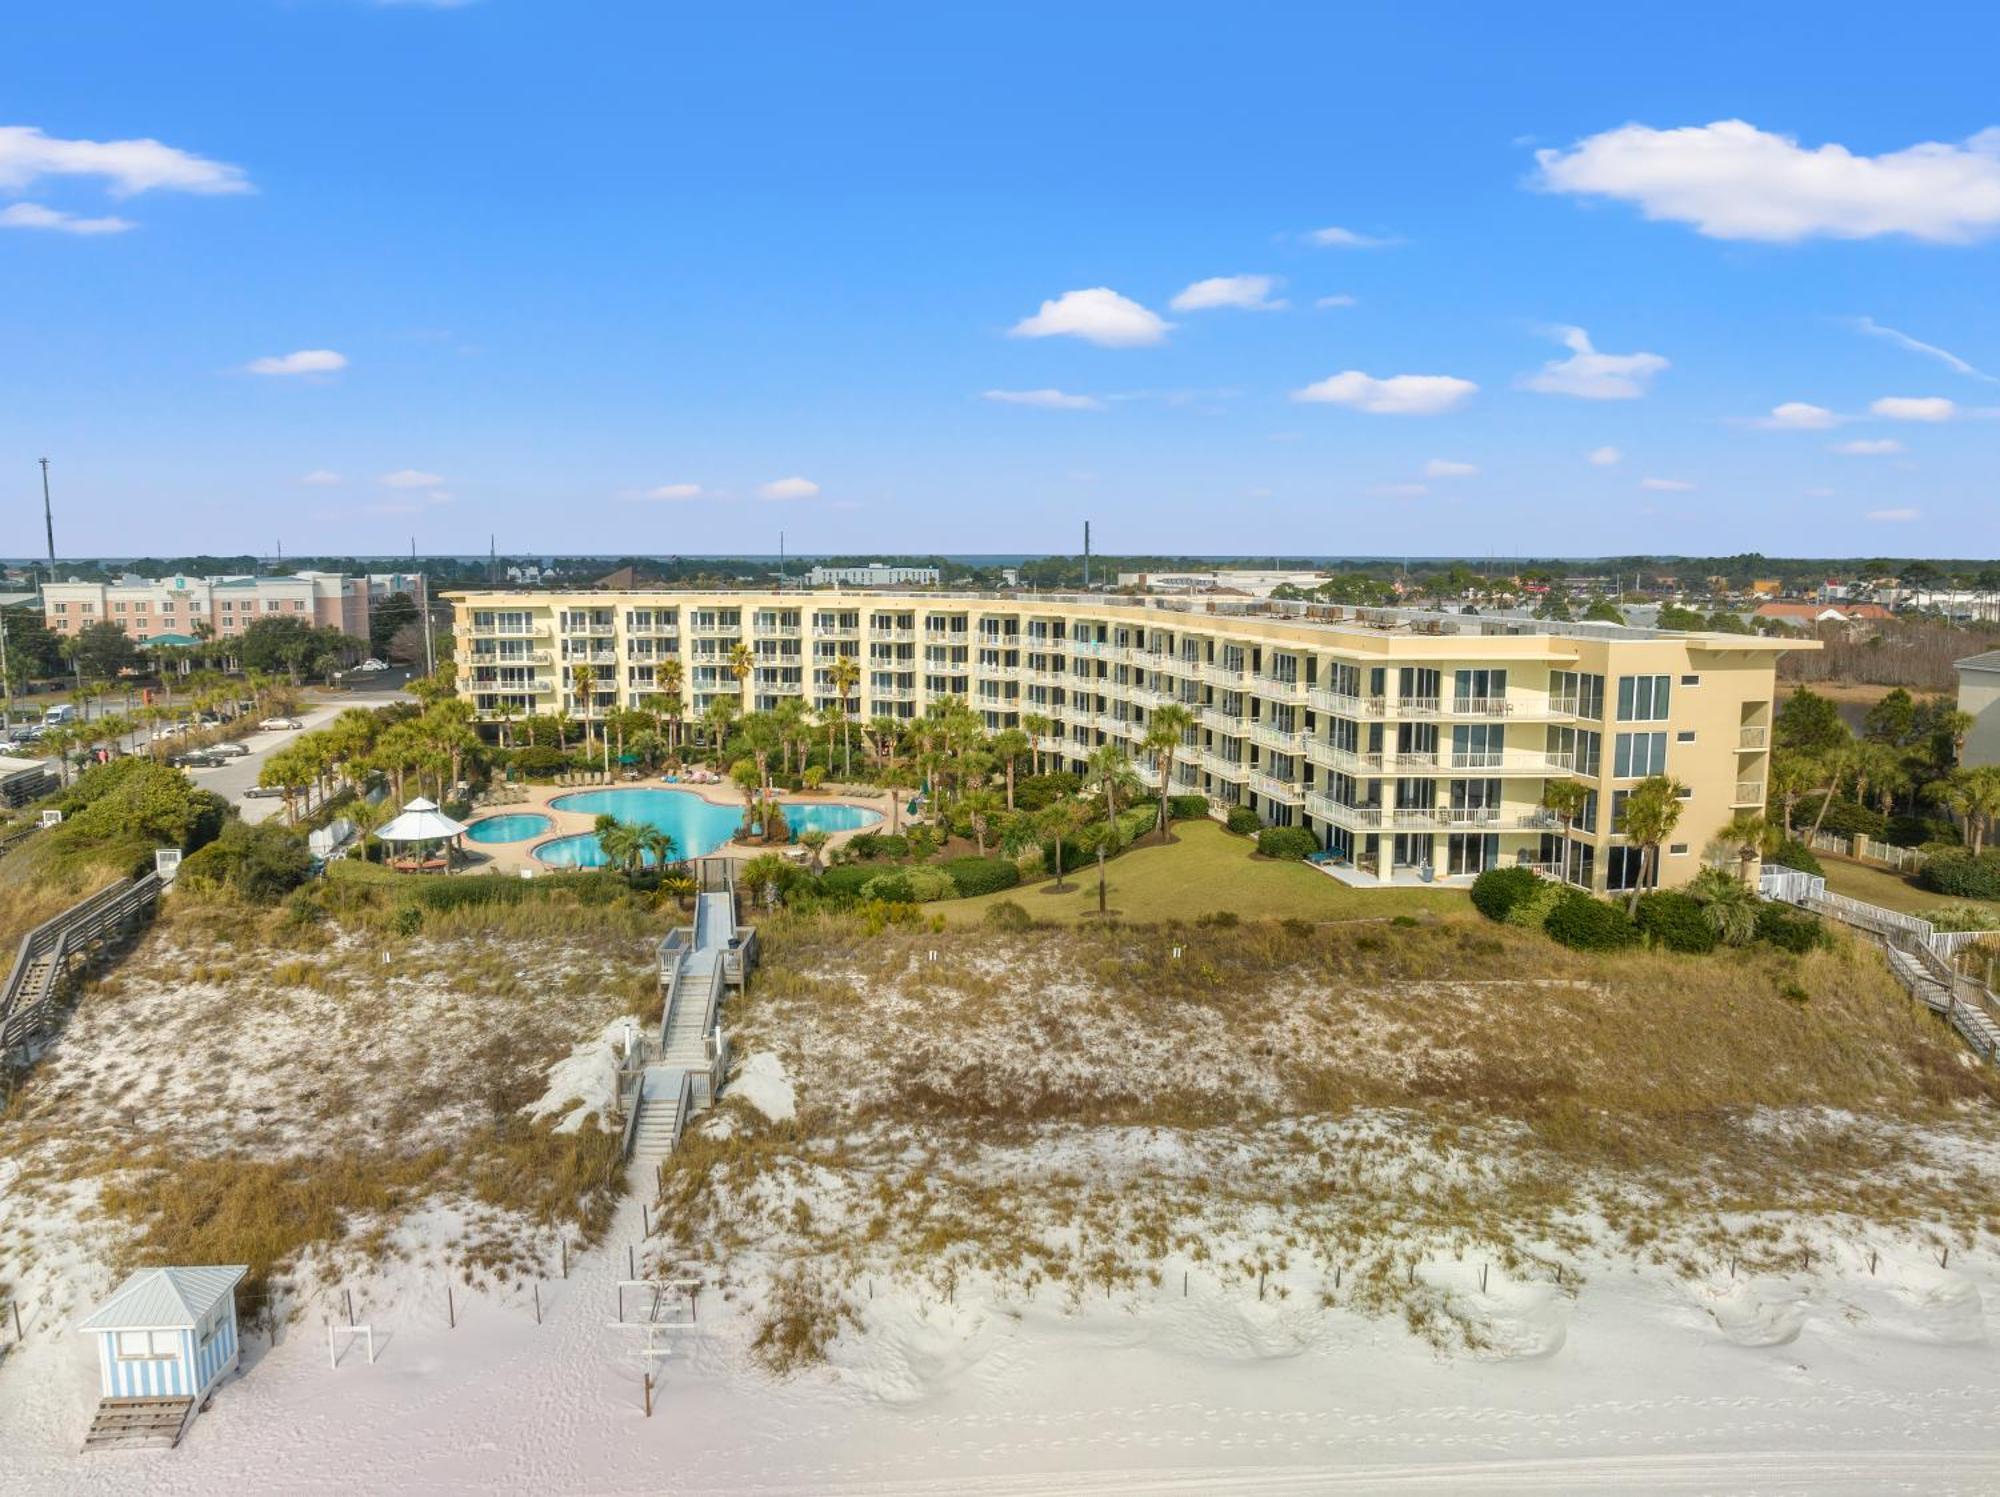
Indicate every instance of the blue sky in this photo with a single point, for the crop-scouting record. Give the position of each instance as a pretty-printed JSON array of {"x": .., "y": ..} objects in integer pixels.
[{"x": 643, "y": 277}]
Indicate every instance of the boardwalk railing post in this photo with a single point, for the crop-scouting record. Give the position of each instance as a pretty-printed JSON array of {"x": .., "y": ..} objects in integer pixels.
[
  {"x": 538, "y": 1302},
  {"x": 649, "y": 1395},
  {"x": 450, "y": 1309}
]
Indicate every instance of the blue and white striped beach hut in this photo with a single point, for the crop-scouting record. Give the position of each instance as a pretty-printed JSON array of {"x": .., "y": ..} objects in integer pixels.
[{"x": 167, "y": 1332}]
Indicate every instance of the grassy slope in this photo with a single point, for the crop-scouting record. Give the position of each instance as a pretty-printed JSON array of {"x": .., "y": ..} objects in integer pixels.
[
  {"x": 1205, "y": 870},
  {"x": 1881, "y": 886}
]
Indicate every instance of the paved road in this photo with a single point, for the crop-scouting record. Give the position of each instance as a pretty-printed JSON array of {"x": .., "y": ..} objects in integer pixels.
[{"x": 238, "y": 775}]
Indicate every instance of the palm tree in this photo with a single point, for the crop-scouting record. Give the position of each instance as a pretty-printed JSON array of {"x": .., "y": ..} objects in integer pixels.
[
  {"x": 1652, "y": 811},
  {"x": 1727, "y": 904},
  {"x": 1112, "y": 777},
  {"x": 741, "y": 663},
  {"x": 748, "y": 777},
  {"x": 583, "y": 684},
  {"x": 1062, "y": 821},
  {"x": 1165, "y": 733},
  {"x": 1009, "y": 744},
  {"x": 1565, "y": 799},
  {"x": 1974, "y": 796},
  {"x": 1878, "y": 767},
  {"x": 814, "y": 839},
  {"x": 656, "y": 844},
  {"x": 980, "y": 807},
  {"x": 1836, "y": 764},
  {"x": 1037, "y": 727},
  {"x": 722, "y": 711},
  {"x": 846, "y": 675},
  {"x": 673, "y": 676}
]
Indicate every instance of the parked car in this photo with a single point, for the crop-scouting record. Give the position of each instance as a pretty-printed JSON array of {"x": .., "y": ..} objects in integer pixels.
[
  {"x": 228, "y": 750},
  {"x": 199, "y": 759},
  {"x": 56, "y": 716},
  {"x": 278, "y": 724},
  {"x": 372, "y": 664},
  {"x": 267, "y": 792}
]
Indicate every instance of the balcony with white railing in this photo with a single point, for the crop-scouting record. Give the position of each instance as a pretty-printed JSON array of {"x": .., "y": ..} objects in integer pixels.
[
  {"x": 1218, "y": 721},
  {"x": 892, "y": 693},
  {"x": 1472, "y": 818},
  {"x": 1340, "y": 704},
  {"x": 1279, "y": 688},
  {"x": 590, "y": 657},
  {"x": 777, "y": 631},
  {"x": 1277, "y": 738},
  {"x": 525, "y": 657},
  {"x": 893, "y": 636},
  {"x": 710, "y": 629},
  {"x": 1217, "y": 674},
  {"x": 505, "y": 631},
  {"x": 1051, "y": 743},
  {"x": 1273, "y": 788},
  {"x": 1749, "y": 793},
  {"x": 1750, "y": 740},
  {"x": 1354, "y": 818},
  {"x": 1233, "y": 770}
]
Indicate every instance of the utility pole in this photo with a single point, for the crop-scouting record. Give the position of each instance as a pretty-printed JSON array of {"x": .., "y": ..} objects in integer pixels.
[
  {"x": 430, "y": 644},
  {"x": 1086, "y": 556},
  {"x": 48, "y": 519}
]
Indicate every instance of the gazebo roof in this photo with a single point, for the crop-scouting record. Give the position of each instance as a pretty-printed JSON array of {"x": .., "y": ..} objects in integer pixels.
[
  {"x": 164, "y": 1299},
  {"x": 421, "y": 821}
]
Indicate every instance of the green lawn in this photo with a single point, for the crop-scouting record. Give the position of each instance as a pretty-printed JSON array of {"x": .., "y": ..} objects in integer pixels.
[
  {"x": 1881, "y": 886},
  {"x": 1205, "y": 870}
]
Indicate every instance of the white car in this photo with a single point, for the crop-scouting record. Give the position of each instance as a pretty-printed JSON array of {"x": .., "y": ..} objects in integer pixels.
[
  {"x": 278, "y": 724},
  {"x": 372, "y": 664}
]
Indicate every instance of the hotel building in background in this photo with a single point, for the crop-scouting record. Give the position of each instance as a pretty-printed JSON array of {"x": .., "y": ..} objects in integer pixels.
[
  {"x": 149, "y": 608},
  {"x": 1405, "y": 740},
  {"x": 874, "y": 574}
]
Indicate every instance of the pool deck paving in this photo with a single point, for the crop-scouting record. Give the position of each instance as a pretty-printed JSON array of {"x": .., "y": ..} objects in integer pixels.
[{"x": 512, "y": 857}]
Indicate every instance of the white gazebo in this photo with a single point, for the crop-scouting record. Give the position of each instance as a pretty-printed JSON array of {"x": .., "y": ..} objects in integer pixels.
[{"x": 419, "y": 822}]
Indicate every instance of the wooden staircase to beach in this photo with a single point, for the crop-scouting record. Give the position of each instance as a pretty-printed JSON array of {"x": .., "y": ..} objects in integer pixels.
[{"x": 138, "y": 1423}]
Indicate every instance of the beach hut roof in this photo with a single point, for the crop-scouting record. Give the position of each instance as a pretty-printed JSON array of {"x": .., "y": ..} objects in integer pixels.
[
  {"x": 421, "y": 821},
  {"x": 164, "y": 1299}
]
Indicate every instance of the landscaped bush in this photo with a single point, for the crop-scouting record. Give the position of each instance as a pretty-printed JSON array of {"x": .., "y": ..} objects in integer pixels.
[
  {"x": 845, "y": 881},
  {"x": 871, "y": 845},
  {"x": 1186, "y": 807},
  {"x": 1788, "y": 929},
  {"x": 1293, "y": 843},
  {"x": 1498, "y": 890},
  {"x": 910, "y": 886},
  {"x": 1243, "y": 821},
  {"x": 1960, "y": 875},
  {"x": 1793, "y": 853},
  {"x": 982, "y": 875},
  {"x": 1916, "y": 831},
  {"x": 540, "y": 761},
  {"x": 262, "y": 863},
  {"x": 1532, "y": 911},
  {"x": 1673, "y": 920},
  {"x": 1963, "y": 917},
  {"x": 889, "y": 888},
  {"x": 1847, "y": 818},
  {"x": 1039, "y": 792},
  {"x": 1004, "y": 914},
  {"x": 1585, "y": 924}
]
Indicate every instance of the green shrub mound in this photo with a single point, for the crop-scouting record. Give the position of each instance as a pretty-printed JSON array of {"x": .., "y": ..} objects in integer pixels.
[
  {"x": 1585, "y": 924},
  {"x": 1498, "y": 890},
  {"x": 1243, "y": 821},
  {"x": 261, "y": 863},
  {"x": 1674, "y": 921},
  {"x": 1039, "y": 792},
  {"x": 845, "y": 881},
  {"x": 1289, "y": 842},
  {"x": 1962, "y": 875},
  {"x": 975, "y": 876},
  {"x": 1788, "y": 929},
  {"x": 1186, "y": 807},
  {"x": 1793, "y": 853},
  {"x": 1532, "y": 912},
  {"x": 870, "y": 845},
  {"x": 910, "y": 886},
  {"x": 1916, "y": 831}
]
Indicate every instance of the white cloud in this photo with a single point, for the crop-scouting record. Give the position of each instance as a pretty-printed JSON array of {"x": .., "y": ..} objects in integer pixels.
[
  {"x": 1328, "y": 303},
  {"x": 321, "y": 478},
  {"x": 1047, "y": 400},
  {"x": 1666, "y": 485},
  {"x": 1797, "y": 415},
  {"x": 305, "y": 361},
  {"x": 1400, "y": 490},
  {"x": 410, "y": 478},
  {"x": 1930, "y": 350},
  {"x": 1733, "y": 181},
  {"x": 1590, "y": 375},
  {"x": 1914, "y": 408},
  {"x": 1605, "y": 457},
  {"x": 126, "y": 166},
  {"x": 674, "y": 491},
  {"x": 1894, "y": 516},
  {"x": 1398, "y": 395},
  {"x": 1869, "y": 447},
  {"x": 1098, "y": 315},
  {"x": 1335, "y": 237},
  {"x": 35, "y": 216},
  {"x": 1248, "y": 293},
  {"x": 1439, "y": 467},
  {"x": 790, "y": 488},
  {"x": 1817, "y": 493}
]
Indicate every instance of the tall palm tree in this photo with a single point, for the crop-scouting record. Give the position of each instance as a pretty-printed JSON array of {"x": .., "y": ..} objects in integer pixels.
[
  {"x": 1008, "y": 746},
  {"x": 1652, "y": 811},
  {"x": 1566, "y": 800},
  {"x": 1039, "y": 726},
  {"x": 673, "y": 677},
  {"x": 1062, "y": 821},
  {"x": 1166, "y": 730},
  {"x": 846, "y": 675},
  {"x": 741, "y": 664}
]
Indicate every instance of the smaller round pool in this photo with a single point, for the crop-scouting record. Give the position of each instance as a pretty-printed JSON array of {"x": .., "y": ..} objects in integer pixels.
[
  {"x": 580, "y": 851},
  {"x": 517, "y": 828}
]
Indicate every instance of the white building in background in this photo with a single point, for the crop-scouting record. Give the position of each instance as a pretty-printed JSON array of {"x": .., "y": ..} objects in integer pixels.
[
  {"x": 874, "y": 574},
  {"x": 1255, "y": 584}
]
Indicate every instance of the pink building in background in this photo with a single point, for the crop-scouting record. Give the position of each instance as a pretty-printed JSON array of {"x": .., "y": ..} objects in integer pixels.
[{"x": 175, "y": 609}]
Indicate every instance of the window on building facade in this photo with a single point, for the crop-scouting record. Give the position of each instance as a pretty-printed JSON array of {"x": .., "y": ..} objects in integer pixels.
[
  {"x": 1643, "y": 699},
  {"x": 1636, "y": 755}
]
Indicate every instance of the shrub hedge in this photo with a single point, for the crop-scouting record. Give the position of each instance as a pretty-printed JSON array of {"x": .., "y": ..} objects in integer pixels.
[
  {"x": 1292, "y": 843},
  {"x": 1186, "y": 807},
  {"x": 1243, "y": 821},
  {"x": 870, "y": 845},
  {"x": 1585, "y": 924},
  {"x": 1788, "y": 929},
  {"x": 1673, "y": 920},
  {"x": 1961, "y": 875},
  {"x": 982, "y": 875},
  {"x": 1498, "y": 890},
  {"x": 1793, "y": 853}
]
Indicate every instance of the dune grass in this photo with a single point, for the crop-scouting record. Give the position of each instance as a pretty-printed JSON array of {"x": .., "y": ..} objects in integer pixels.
[
  {"x": 1203, "y": 871},
  {"x": 1886, "y": 887}
]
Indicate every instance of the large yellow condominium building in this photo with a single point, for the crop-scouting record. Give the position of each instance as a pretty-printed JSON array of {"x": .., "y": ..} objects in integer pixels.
[{"x": 1417, "y": 744}]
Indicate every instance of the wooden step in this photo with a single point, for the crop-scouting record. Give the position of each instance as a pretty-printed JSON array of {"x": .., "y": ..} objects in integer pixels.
[{"x": 138, "y": 1423}]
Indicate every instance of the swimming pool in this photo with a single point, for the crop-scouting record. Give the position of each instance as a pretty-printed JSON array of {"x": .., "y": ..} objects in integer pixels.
[
  {"x": 516, "y": 828},
  {"x": 697, "y": 826}
]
